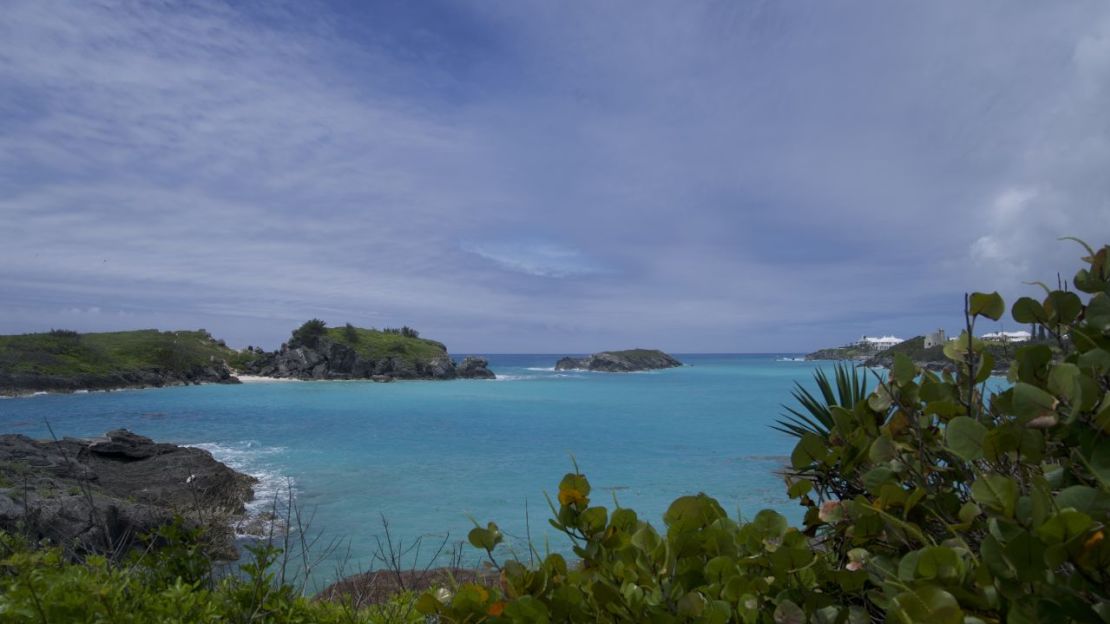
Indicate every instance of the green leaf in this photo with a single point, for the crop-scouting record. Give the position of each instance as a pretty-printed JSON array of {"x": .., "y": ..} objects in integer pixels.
[
  {"x": 527, "y": 609},
  {"x": 1028, "y": 310},
  {"x": 928, "y": 604},
  {"x": 1065, "y": 526},
  {"x": 903, "y": 370},
  {"x": 882, "y": 450},
  {"x": 938, "y": 562},
  {"x": 1062, "y": 306},
  {"x": 1083, "y": 498},
  {"x": 989, "y": 305},
  {"x": 996, "y": 492},
  {"x": 593, "y": 520},
  {"x": 692, "y": 512},
  {"x": 789, "y": 613},
  {"x": 1029, "y": 402},
  {"x": 965, "y": 436},
  {"x": 810, "y": 449}
]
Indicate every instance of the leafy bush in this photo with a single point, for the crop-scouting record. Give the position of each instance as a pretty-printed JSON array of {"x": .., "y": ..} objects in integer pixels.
[
  {"x": 308, "y": 334},
  {"x": 930, "y": 500},
  {"x": 173, "y": 583}
]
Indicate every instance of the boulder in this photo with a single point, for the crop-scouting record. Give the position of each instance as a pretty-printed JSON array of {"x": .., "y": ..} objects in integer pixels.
[
  {"x": 99, "y": 496},
  {"x": 474, "y": 368}
]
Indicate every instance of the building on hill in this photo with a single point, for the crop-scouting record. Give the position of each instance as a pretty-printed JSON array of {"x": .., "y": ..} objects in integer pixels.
[
  {"x": 935, "y": 339},
  {"x": 877, "y": 344},
  {"x": 1005, "y": 336}
]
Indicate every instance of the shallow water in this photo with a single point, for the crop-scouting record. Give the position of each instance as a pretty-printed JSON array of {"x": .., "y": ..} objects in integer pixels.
[{"x": 429, "y": 455}]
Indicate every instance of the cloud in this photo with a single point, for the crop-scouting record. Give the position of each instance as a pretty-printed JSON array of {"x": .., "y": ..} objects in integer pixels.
[
  {"x": 710, "y": 176},
  {"x": 538, "y": 259}
]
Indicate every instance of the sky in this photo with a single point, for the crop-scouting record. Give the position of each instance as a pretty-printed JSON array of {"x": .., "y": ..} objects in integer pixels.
[{"x": 546, "y": 177}]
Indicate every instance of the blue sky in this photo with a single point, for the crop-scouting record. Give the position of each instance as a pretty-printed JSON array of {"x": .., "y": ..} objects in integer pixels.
[{"x": 545, "y": 176}]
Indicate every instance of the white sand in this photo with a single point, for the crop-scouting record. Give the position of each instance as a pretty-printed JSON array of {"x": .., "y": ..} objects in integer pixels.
[{"x": 258, "y": 379}]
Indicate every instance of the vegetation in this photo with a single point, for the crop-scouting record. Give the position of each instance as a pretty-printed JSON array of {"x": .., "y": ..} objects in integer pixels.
[
  {"x": 64, "y": 352},
  {"x": 928, "y": 500},
  {"x": 377, "y": 345},
  {"x": 176, "y": 582},
  {"x": 308, "y": 334}
]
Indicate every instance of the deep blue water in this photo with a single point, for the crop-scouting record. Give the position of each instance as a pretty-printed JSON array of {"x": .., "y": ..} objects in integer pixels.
[{"x": 426, "y": 455}]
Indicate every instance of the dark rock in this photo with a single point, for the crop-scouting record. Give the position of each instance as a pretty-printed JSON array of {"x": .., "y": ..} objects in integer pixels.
[
  {"x": 620, "y": 361},
  {"x": 333, "y": 360},
  {"x": 475, "y": 368},
  {"x": 101, "y": 495},
  {"x": 24, "y": 383}
]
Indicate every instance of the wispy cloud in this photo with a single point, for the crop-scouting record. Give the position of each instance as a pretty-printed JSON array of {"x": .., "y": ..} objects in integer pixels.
[{"x": 706, "y": 176}]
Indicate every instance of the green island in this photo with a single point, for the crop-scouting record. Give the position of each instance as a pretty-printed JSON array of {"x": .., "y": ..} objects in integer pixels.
[
  {"x": 927, "y": 497},
  {"x": 67, "y": 361},
  {"x": 63, "y": 360}
]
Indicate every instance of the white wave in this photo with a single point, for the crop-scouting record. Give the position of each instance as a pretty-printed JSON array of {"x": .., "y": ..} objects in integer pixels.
[
  {"x": 512, "y": 377},
  {"x": 540, "y": 368},
  {"x": 272, "y": 492}
]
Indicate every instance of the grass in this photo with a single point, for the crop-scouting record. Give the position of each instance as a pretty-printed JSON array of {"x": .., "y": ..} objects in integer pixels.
[
  {"x": 378, "y": 345},
  {"x": 67, "y": 353}
]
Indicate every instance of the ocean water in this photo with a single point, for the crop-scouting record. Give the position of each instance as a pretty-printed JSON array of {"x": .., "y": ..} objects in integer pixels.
[{"x": 428, "y": 456}]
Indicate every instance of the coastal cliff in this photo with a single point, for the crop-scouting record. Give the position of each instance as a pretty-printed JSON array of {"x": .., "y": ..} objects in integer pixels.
[
  {"x": 356, "y": 353},
  {"x": 96, "y": 496},
  {"x": 66, "y": 361},
  {"x": 627, "y": 361}
]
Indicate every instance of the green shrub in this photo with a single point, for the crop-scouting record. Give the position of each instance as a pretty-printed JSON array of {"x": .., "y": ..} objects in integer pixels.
[
  {"x": 931, "y": 500},
  {"x": 308, "y": 334},
  {"x": 172, "y": 583}
]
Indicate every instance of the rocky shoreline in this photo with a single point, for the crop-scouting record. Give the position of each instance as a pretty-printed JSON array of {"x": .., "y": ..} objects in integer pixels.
[
  {"x": 16, "y": 384},
  {"x": 628, "y": 361},
  {"x": 102, "y": 495},
  {"x": 335, "y": 361}
]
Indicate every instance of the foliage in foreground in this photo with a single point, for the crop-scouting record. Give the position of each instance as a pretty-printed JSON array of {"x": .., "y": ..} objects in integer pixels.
[
  {"x": 929, "y": 501},
  {"x": 175, "y": 583}
]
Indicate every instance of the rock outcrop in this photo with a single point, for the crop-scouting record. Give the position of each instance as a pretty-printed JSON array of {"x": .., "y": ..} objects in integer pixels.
[
  {"x": 620, "y": 361},
  {"x": 101, "y": 495},
  {"x": 334, "y": 360},
  {"x": 26, "y": 383}
]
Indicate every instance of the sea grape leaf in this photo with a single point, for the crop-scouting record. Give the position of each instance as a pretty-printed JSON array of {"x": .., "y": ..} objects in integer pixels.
[
  {"x": 1029, "y": 402},
  {"x": 1028, "y": 310},
  {"x": 810, "y": 449},
  {"x": 903, "y": 369},
  {"x": 1062, "y": 306},
  {"x": 997, "y": 492},
  {"x": 928, "y": 604},
  {"x": 989, "y": 305},
  {"x": 965, "y": 436}
]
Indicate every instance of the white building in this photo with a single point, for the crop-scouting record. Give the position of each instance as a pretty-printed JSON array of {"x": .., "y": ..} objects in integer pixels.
[
  {"x": 878, "y": 343},
  {"x": 935, "y": 338},
  {"x": 1005, "y": 336}
]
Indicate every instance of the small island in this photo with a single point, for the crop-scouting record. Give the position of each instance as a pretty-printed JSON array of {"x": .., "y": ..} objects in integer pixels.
[
  {"x": 316, "y": 351},
  {"x": 68, "y": 361},
  {"x": 627, "y": 361}
]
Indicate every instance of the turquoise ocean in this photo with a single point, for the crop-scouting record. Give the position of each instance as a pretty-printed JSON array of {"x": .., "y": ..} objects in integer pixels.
[{"x": 430, "y": 455}]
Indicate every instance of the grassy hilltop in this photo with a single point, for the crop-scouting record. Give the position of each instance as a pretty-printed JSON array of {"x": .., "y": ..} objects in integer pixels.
[
  {"x": 62, "y": 352},
  {"x": 375, "y": 344}
]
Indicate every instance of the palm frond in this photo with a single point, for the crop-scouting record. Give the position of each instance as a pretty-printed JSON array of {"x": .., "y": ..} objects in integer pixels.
[{"x": 812, "y": 414}]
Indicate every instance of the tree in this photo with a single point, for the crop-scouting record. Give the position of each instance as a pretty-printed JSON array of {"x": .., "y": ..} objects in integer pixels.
[
  {"x": 350, "y": 333},
  {"x": 309, "y": 334}
]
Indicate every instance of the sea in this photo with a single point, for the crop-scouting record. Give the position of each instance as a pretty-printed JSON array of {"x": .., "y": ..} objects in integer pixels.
[{"x": 411, "y": 466}]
